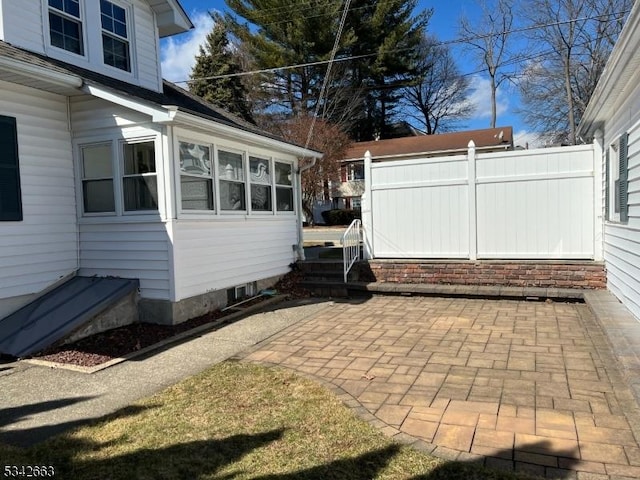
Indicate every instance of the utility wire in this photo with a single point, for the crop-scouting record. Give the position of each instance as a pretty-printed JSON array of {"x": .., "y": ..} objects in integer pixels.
[
  {"x": 442, "y": 43},
  {"x": 328, "y": 74}
]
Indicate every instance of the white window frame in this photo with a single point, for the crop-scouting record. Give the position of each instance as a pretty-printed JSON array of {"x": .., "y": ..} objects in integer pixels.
[
  {"x": 351, "y": 172},
  {"x": 46, "y": 9},
  {"x": 133, "y": 141},
  {"x": 220, "y": 178},
  {"x": 128, "y": 40},
  {"x": 211, "y": 177},
  {"x": 83, "y": 178},
  {"x": 292, "y": 186},
  {"x": 271, "y": 183},
  {"x": 117, "y": 142}
]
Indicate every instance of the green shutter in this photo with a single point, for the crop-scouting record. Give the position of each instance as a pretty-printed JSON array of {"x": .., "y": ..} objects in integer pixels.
[
  {"x": 10, "y": 197},
  {"x": 623, "y": 177},
  {"x": 606, "y": 185}
]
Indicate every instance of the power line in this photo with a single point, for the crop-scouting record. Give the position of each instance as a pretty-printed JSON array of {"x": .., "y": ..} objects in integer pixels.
[
  {"x": 328, "y": 74},
  {"x": 442, "y": 43}
]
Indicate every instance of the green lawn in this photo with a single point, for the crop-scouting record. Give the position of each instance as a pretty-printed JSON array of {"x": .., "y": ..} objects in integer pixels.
[{"x": 237, "y": 421}]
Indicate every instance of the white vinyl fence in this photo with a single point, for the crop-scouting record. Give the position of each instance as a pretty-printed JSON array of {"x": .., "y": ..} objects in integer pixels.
[{"x": 526, "y": 204}]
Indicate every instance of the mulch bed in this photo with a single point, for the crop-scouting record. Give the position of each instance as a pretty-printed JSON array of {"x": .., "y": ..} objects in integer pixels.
[{"x": 103, "y": 347}]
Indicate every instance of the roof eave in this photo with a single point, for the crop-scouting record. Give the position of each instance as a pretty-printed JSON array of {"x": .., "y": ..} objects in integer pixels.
[
  {"x": 188, "y": 119},
  {"x": 170, "y": 17},
  {"x": 603, "y": 100}
]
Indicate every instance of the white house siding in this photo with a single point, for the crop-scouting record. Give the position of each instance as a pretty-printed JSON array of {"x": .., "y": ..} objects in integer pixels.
[
  {"x": 90, "y": 116},
  {"x": 128, "y": 250},
  {"x": 622, "y": 241},
  {"x": 39, "y": 250},
  {"x": 147, "y": 56},
  {"x": 22, "y": 26},
  {"x": 219, "y": 254}
]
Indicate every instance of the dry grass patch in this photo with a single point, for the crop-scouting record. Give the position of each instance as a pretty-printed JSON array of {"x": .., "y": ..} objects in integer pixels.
[{"x": 237, "y": 421}]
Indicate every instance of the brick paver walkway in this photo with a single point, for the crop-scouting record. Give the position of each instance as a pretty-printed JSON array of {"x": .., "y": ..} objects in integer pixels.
[{"x": 520, "y": 385}]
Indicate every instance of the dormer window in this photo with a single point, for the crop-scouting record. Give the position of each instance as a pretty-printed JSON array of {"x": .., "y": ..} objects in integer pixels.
[
  {"x": 115, "y": 40},
  {"x": 65, "y": 26}
]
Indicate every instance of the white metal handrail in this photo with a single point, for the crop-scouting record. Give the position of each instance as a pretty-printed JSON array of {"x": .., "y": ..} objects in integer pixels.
[{"x": 351, "y": 239}]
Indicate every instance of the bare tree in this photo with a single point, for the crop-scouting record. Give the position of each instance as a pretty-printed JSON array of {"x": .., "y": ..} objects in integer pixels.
[
  {"x": 438, "y": 100},
  {"x": 327, "y": 138},
  {"x": 576, "y": 37},
  {"x": 488, "y": 39}
]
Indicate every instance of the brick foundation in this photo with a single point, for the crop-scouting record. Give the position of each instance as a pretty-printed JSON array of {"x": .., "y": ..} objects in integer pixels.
[{"x": 549, "y": 274}]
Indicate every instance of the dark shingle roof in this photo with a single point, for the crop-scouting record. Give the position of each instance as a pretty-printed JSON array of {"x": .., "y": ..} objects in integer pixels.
[{"x": 171, "y": 95}]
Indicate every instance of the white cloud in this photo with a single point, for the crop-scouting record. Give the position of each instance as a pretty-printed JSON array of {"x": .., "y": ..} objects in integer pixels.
[
  {"x": 524, "y": 138},
  {"x": 480, "y": 98},
  {"x": 179, "y": 54}
]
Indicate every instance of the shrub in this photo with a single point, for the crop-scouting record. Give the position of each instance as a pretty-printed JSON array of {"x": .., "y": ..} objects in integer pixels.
[{"x": 340, "y": 217}]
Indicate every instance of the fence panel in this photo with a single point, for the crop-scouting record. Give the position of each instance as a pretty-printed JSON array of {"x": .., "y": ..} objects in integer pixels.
[
  {"x": 421, "y": 208},
  {"x": 528, "y": 204}
]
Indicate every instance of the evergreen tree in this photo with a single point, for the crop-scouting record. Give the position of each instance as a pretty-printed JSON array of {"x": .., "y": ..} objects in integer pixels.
[
  {"x": 217, "y": 57},
  {"x": 362, "y": 91}
]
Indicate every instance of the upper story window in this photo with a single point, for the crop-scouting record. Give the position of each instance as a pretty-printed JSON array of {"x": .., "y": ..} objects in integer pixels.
[
  {"x": 65, "y": 25},
  {"x": 115, "y": 39}
]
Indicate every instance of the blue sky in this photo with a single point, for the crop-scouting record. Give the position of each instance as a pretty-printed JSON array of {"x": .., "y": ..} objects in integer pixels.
[{"x": 178, "y": 54}]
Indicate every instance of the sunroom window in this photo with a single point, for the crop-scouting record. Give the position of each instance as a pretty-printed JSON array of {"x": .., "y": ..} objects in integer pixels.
[
  {"x": 260, "y": 177},
  {"x": 65, "y": 25},
  {"x": 115, "y": 40},
  {"x": 196, "y": 182},
  {"x": 232, "y": 180},
  {"x": 140, "y": 181},
  {"x": 284, "y": 187}
]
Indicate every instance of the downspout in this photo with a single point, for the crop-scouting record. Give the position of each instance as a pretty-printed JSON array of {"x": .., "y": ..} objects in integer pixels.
[{"x": 299, "y": 173}]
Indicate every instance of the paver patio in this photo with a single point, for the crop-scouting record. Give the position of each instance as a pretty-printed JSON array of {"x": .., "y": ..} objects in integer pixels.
[{"x": 518, "y": 385}]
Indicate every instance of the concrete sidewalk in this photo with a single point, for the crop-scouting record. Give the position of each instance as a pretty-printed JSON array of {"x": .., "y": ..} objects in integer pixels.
[{"x": 37, "y": 402}]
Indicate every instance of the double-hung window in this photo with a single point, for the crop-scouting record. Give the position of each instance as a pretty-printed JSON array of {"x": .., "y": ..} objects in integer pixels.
[
  {"x": 97, "y": 178},
  {"x": 118, "y": 177},
  {"x": 65, "y": 25},
  {"x": 140, "y": 180},
  {"x": 260, "y": 176},
  {"x": 10, "y": 195},
  {"x": 284, "y": 187},
  {"x": 196, "y": 181},
  {"x": 115, "y": 37},
  {"x": 232, "y": 180}
]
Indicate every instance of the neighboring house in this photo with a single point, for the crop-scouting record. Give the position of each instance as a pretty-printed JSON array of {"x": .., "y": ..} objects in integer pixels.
[
  {"x": 347, "y": 193},
  {"x": 612, "y": 119},
  {"x": 107, "y": 170}
]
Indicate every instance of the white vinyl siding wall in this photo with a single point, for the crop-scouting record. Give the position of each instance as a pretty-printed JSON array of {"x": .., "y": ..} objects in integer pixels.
[
  {"x": 622, "y": 240},
  {"x": 38, "y": 251},
  {"x": 128, "y": 250},
  {"x": 133, "y": 244},
  {"x": 23, "y": 25},
  {"x": 218, "y": 254}
]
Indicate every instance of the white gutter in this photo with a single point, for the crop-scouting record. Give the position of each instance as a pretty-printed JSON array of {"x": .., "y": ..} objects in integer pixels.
[{"x": 43, "y": 73}]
